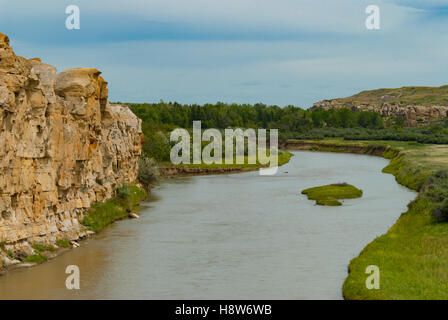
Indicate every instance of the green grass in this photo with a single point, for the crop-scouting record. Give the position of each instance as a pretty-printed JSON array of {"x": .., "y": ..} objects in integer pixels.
[
  {"x": 42, "y": 247},
  {"x": 283, "y": 158},
  {"x": 330, "y": 194},
  {"x": 126, "y": 201},
  {"x": 328, "y": 202},
  {"x": 412, "y": 258},
  {"x": 38, "y": 256},
  {"x": 35, "y": 258},
  {"x": 413, "y": 255},
  {"x": 63, "y": 243}
]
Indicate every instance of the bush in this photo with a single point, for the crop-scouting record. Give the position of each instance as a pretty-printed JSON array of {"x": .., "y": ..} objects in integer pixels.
[
  {"x": 435, "y": 190},
  {"x": 123, "y": 192},
  {"x": 148, "y": 171},
  {"x": 157, "y": 146},
  {"x": 441, "y": 211},
  {"x": 442, "y": 174}
]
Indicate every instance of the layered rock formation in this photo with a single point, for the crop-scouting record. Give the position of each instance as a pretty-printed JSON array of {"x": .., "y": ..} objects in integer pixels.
[
  {"x": 413, "y": 115},
  {"x": 63, "y": 147}
]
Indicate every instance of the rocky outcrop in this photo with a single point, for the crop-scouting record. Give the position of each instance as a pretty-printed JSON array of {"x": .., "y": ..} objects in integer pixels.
[
  {"x": 63, "y": 147},
  {"x": 413, "y": 115}
]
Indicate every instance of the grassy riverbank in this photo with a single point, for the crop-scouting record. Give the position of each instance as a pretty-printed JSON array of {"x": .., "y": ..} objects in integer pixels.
[
  {"x": 168, "y": 169},
  {"x": 126, "y": 201},
  {"x": 283, "y": 158},
  {"x": 413, "y": 255}
]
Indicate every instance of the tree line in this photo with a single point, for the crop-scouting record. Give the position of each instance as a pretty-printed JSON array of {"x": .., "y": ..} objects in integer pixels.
[
  {"x": 223, "y": 115},
  {"x": 158, "y": 119}
]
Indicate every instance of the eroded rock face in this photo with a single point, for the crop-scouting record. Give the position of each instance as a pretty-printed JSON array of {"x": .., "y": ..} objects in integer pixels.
[
  {"x": 62, "y": 147},
  {"x": 411, "y": 114}
]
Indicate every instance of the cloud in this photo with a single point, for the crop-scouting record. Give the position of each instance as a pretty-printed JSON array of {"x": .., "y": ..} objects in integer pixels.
[
  {"x": 425, "y": 5},
  {"x": 278, "y": 52},
  {"x": 110, "y": 21}
]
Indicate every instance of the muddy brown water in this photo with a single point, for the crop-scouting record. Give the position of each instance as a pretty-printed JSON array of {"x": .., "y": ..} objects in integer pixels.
[{"x": 236, "y": 236}]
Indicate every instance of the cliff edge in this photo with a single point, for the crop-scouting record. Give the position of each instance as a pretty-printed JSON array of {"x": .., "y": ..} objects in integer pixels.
[{"x": 63, "y": 147}]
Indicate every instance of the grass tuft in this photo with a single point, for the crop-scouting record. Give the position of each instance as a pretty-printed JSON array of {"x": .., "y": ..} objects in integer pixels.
[
  {"x": 35, "y": 258},
  {"x": 63, "y": 243},
  {"x": 328, "y": 195},
  {"x": 328, "y": 202},
  {"x": 42, "y": 247}
]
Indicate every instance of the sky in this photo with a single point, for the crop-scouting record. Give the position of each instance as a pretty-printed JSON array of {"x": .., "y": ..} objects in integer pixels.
[{"x": 282, "y": 52}]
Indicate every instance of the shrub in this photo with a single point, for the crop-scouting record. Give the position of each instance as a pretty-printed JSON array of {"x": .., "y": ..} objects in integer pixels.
[
  {"x": 157, "y": 145},
  {"x": 148, "y": 171},
  {"x": 435, "y": 189},
  {"x": 442, "y": 174},
  {"x": 441, "y": 211},
  {"x": 123, "y": 192}
]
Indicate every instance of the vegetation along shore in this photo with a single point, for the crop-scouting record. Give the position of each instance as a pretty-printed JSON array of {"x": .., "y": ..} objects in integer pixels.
[
  {"x": 72, "y": 161},
  {"x": 412, "y": 256}
]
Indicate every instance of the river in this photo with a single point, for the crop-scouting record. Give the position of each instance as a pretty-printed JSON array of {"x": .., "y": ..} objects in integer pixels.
[{"x": 236, "y": 236}]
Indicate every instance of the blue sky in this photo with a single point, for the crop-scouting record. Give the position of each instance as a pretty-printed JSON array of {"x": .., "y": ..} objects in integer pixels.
[{"x": 277, "y": 52}]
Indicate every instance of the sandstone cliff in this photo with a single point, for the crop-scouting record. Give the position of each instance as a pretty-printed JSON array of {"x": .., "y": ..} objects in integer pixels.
[
  {"x": 416, "y": 105},
  {"x": 63, "y": 147}
]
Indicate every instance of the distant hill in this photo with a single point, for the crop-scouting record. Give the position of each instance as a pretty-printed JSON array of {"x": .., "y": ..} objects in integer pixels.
[
  {"x": 421, "y": 96},
  {"x": 416, "y": 105}
]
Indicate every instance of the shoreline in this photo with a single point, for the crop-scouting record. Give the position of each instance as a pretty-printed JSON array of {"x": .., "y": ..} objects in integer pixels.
[
  {"x": 167, "y": 172},
  {"x": 128, "y": 209},
  {"x": 172, "y": 171},
  {"x": 415, "y": 242},
  {"x": 355, "y": 148},
  {"x": 400, "y": 165}
]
